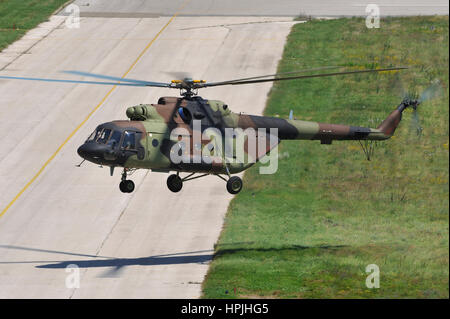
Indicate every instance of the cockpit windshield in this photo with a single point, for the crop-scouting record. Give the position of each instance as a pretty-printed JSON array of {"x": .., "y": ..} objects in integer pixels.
[
  {"x": 94, "y": 136},
  {"x": 104, "y": 136}
]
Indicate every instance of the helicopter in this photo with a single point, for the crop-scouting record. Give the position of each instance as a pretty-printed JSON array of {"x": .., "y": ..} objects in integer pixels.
[{"x": 190, "y": 134}]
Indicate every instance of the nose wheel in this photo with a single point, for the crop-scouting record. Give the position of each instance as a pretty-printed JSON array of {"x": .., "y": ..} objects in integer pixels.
[{"x": 126, "y": 185}]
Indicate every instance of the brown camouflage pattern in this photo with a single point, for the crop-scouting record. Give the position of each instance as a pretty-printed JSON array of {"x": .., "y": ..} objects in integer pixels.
[{"x": 153, "y": 124}]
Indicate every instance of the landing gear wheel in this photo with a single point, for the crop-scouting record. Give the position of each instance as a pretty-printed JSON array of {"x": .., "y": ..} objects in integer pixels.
[
  {"x": 126, "y": 186},
  {"x": 234, "y": 185},
  {"x": 174, "y": 183}
]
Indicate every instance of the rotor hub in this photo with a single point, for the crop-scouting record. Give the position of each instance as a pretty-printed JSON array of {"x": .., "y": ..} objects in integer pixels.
[{"x": 188, "y": 87}]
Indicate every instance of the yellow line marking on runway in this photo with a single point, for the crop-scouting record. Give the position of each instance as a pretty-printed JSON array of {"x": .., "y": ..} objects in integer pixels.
[{"x": 92, "y": 112}]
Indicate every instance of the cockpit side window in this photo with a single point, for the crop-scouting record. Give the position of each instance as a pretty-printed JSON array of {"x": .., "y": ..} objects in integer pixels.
[
  {"x": 129, "y": 140},
  {"x": 115, "y": 138},
  {"x": 104, "y": 136}
]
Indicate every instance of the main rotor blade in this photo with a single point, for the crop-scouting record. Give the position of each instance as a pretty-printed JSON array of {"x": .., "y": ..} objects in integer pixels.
[
  {"x": 84, "y": 82},
  {"x": 235, "y": 82},
  {"x": 278, "y": 74},
  {"x": 102, "y": 76},
  {"x": 114, "y": 78},
  {"x": 184, "y": 75}
]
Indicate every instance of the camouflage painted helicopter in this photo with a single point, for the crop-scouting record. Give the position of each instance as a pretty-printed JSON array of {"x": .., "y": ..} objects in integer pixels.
[{"x": 146, "y": 139}]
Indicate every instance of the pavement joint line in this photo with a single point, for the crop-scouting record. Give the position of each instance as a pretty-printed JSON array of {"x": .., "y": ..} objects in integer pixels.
[
  {"x": 112, "y": 230},
  {"x": 27, "y": 51},
  {"x": 91, "y": 113}
]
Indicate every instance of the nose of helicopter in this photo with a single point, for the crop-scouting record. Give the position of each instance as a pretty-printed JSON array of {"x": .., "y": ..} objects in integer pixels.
[{"x": 92, "y": 152}]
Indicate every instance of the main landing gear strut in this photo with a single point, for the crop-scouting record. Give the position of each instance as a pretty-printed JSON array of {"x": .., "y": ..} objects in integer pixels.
[{"x": 175, "y": 182}]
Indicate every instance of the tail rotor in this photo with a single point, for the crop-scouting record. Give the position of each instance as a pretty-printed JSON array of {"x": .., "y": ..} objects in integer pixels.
[{"x": 413, "y": 100}]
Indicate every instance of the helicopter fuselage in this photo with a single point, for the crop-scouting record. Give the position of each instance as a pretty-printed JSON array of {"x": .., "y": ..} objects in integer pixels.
[{"x": 151, "y": 138}]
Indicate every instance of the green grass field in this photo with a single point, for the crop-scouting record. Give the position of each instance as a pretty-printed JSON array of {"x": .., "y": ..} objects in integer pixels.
[
  {"x": 19, "y": 16},
  {"x": 310, "y": 230}
]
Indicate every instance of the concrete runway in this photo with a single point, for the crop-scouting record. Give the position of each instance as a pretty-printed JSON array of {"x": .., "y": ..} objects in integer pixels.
[
  {"x": 151, "y": 243},
  {"x": 148, "y": 244},
  {"x": 314, "y": 8}
]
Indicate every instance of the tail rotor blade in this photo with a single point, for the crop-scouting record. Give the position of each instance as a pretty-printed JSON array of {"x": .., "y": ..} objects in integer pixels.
[
  {"x": 433, "y": 91},
  {"x": 415, "y": 123},
  {"x": 399, "y": 87}
]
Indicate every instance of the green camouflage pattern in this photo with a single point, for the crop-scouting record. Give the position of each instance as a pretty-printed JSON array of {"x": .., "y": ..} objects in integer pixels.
[{"x": 154, "y": 124}]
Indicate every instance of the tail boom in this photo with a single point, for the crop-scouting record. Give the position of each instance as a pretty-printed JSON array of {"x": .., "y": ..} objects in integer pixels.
[{"x": 304, "y": 130}]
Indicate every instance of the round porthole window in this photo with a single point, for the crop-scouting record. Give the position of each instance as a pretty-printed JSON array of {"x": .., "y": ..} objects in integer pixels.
[{"x": 155, "y": 142}]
